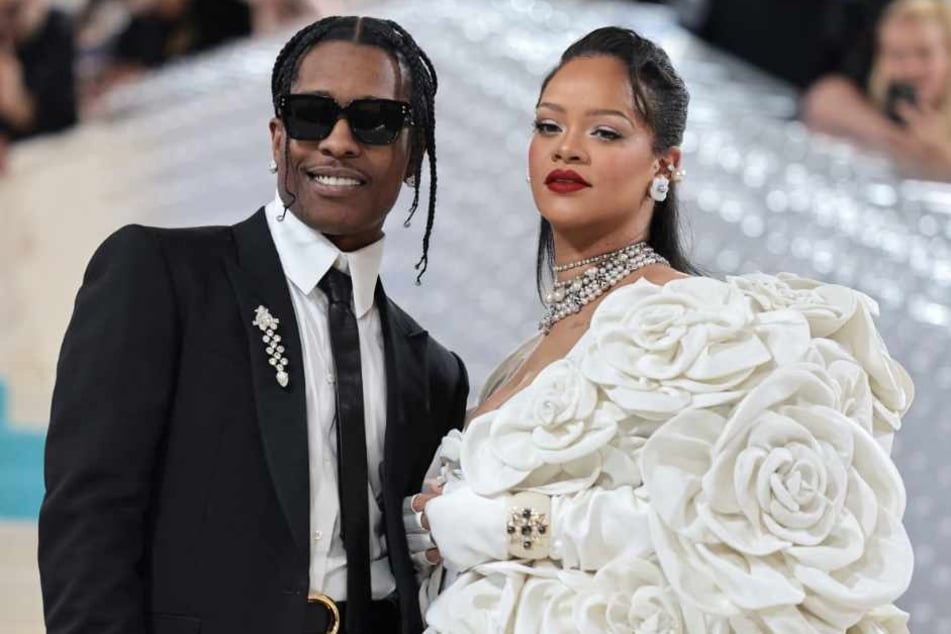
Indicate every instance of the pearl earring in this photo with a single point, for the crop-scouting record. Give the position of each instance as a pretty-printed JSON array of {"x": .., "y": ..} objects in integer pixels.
[
  {"x": 272, "y": 167},
  {"x": 659, "y": 188}
]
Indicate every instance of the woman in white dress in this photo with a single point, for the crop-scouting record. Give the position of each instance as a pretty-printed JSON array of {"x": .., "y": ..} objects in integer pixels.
[{"x": 672, "y": 453}]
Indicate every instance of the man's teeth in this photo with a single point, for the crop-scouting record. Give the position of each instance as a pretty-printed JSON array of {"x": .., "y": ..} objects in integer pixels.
[{"x": 336, "y": 181}]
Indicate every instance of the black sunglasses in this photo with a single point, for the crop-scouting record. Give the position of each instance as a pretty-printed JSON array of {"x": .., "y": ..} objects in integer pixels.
[{"x": 372, "y": 121}]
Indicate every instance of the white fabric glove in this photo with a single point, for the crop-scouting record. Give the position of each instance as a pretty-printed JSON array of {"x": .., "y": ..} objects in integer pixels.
[
  {"x": 589, "y": 529},
  {"x": 418, "y": 539},
  {"x": 468, "y": 529},
  {"x": 595, "y": 526}
]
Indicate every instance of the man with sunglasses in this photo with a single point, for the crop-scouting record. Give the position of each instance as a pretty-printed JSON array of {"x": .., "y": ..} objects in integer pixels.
[{"x": 240, "y": 411}]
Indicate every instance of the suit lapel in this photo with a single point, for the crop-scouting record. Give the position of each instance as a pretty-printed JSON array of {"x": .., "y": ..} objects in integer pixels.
[
  {"x": 407, "y": 407},
  {"x": 407, "y": 389},
  {"x": 258, "y": 280}
]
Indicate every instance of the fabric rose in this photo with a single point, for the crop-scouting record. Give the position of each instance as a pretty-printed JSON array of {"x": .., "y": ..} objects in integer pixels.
[
  {"x": 627, "y": 595},
  {"x": 786, "y": 515},
  {"x": 825, "y": 306},
  {"x": 847, "y": 317},
  {"x": 475, "y": 604},
  {"x": 694, "y": 342},
  {"x": 548, "y": 437},
  {"x": 889, "y": 381},
  {"x": 632, "y": 595},
  {"x": 884, "y": 620},
  {"x": 853, "y": 393}
]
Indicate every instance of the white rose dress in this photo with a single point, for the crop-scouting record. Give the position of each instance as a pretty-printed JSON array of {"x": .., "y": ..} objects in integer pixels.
[{"x": 717, "y": 456}]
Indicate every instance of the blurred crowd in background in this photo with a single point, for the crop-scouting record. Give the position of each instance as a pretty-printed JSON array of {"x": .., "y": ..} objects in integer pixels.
[
  {"x": 873, "y": 71},
  {"x": 59, "y": 58}
]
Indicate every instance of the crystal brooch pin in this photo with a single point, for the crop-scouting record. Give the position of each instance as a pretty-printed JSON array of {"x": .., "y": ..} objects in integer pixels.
[{"x": 268, "y": 324}]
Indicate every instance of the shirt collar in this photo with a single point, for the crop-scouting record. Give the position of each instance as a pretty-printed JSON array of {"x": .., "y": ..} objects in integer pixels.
[{"x": 307, "y": 255}]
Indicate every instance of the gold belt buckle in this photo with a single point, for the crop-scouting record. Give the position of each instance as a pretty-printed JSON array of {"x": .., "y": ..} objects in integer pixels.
[{"x": 327, "y": 602}]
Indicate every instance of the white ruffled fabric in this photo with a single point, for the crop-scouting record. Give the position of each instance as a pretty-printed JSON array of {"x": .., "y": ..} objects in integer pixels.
[{"x": 718, "y": 459}]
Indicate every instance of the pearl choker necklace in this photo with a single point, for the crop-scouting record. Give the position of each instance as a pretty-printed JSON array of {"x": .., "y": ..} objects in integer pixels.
[
  {"x": 596, "y": 259},
  {"x": 567, "y": 297}
]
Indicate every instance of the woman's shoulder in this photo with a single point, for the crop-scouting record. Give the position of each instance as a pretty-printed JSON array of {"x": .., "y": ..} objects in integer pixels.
[
  {"x": 657, "y": 349},
  {"x": 826, "y": 306},
  {"x": 784, "y": 310}
]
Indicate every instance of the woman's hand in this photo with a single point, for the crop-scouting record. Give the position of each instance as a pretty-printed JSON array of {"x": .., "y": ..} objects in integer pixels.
[
  {"x": 468, "y": 529},
  {"x": 925, "y": 141},
  {"x": 422, "y": 549}
]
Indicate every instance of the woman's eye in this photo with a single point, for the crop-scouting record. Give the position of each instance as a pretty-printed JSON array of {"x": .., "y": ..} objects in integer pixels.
[
  {"x": 607, "y": 134},
  {"x": 546, "y": 127}
]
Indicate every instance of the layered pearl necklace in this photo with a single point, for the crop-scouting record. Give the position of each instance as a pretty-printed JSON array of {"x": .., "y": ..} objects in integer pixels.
[{"x": 567, "y": 297}]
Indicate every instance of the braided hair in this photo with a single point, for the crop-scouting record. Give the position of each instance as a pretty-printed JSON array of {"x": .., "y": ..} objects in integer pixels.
[{"x": 395, "y": 40}]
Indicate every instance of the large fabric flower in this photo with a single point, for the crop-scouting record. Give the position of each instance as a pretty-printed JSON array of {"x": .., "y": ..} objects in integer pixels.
[
  {"x": 632, "y": 595},
  {"x": 628, "y": 595},
  {"x": 787, "y": 514},
  {"x": 826, "y": 306},
  {"x": 854, "y": 396},
  {"x": 889, "y": 381},
  {"x": 694, "y": 342},
  {"x": 476, "y": 603},
  {"x": 884, "y": 620},
  {"x": 549, "y": 437},
  {"x": 847, "y": 317}
]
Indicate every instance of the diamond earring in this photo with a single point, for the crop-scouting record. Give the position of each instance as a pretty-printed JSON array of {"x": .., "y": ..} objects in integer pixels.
[
  {"x": 272, "y": 167},
  {"x": 659, "y": 188}
]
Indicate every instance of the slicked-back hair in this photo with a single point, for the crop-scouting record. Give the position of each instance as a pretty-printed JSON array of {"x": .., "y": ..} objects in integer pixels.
[
  {"x": 660, "y": 99},
  {"x": 388, "y": 36}
]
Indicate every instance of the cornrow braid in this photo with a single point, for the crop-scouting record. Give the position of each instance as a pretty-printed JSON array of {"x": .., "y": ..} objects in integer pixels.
[
  {"x": 394, "y": 39},
  {"x": 422, "y": 67}
]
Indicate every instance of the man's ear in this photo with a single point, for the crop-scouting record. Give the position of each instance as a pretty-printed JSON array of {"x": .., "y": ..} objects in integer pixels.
[{"x": 277, "y": 139}]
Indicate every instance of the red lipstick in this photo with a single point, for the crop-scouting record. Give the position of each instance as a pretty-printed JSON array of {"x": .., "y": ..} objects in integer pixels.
[{"x": 565, "y": 181}]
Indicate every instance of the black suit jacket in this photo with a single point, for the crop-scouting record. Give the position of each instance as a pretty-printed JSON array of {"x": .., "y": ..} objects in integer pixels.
[{"x": 177, "y": 492}]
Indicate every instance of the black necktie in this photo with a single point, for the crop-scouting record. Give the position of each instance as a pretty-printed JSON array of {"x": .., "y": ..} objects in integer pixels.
[{"x": 352, "y": 452}]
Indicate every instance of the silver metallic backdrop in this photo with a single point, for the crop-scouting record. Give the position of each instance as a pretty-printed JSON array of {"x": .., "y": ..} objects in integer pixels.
[{"x": 190, "y": 146}]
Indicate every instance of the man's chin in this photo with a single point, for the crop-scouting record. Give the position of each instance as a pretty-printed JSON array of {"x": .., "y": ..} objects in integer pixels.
[{"x": 340, "y": 229}]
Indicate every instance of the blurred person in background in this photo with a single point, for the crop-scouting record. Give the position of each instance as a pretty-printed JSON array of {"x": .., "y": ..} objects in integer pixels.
[
  {"x": 271, "y": 15},
  {"x": 893, "y": 91},
  {"x": 120, "y": 40},
  {"x": 161, "y": 30},
  {"x": 37, "y": 89},
  {"x": 796, "y": 41}
]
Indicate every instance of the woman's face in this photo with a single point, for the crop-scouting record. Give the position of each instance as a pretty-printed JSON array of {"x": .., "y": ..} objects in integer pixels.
[
  {"x": 915, "y": 52},
  {"x": 590, "y": 159}
]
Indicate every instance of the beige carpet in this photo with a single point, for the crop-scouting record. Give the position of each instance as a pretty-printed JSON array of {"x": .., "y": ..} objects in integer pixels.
[{"x": 21, "y": 608}]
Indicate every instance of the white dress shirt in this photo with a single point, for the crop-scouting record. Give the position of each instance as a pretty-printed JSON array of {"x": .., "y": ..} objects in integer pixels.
[{"x": 306, "y": 255}]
